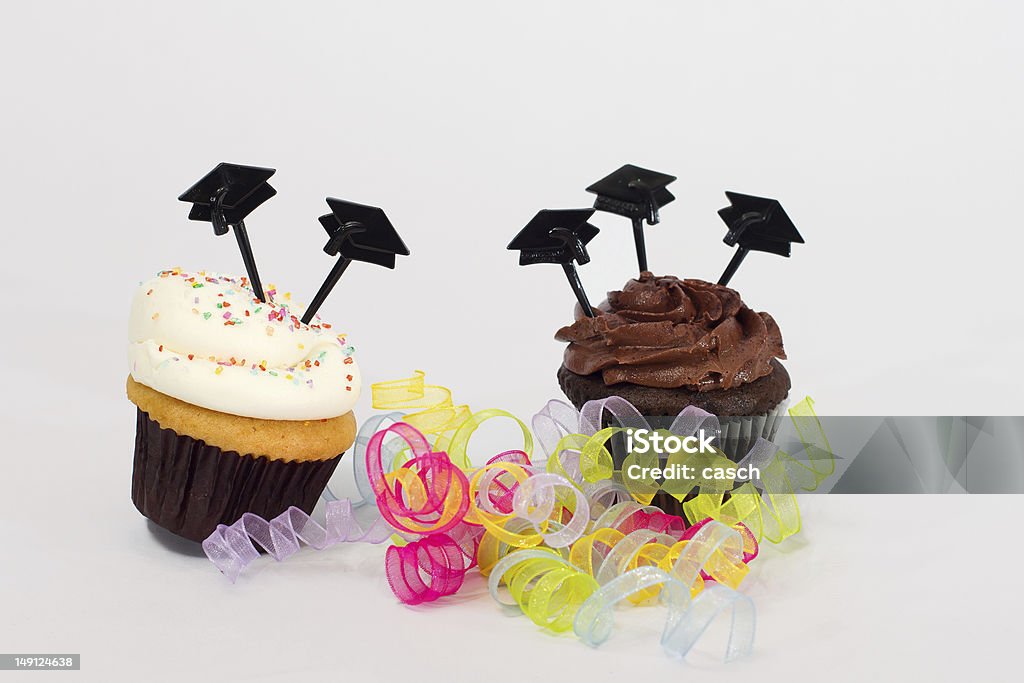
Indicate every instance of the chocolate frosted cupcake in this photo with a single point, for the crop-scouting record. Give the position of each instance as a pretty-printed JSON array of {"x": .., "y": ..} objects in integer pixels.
[
  {"x": 664, "y": 344},
  {"x": 241, "y": 407}
]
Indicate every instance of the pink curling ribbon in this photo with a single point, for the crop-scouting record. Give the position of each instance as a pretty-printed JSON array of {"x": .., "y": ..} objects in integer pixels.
[
  {"x": 430, "y": 497},
  {"x": 427, "y": 495},
  {"x": 434, "y": 566}
]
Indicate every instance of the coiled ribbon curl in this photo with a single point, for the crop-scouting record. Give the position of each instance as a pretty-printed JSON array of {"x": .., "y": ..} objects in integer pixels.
[
  {"x": 563, "y": 543},
  {"x": 576, "y": 446}
]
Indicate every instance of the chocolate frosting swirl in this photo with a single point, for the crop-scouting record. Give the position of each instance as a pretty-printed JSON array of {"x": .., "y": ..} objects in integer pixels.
[{"x": 667, "y": 333}]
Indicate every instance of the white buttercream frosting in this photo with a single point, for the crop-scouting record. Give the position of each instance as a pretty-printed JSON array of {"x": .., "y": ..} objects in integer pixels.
[{"x": 205, "y": 339}]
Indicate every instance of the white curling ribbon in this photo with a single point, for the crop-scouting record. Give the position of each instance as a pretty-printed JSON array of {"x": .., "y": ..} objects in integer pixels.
[
  {"x": 555, "y": 420},
  {"x": 614, "y": 563},
  {"x": 715, "y": 548},
  {"x": 535, "y": 499},
  {"x": 570, "y": 460},
  {"x": 625, "y": 413},
  {"x": 621, "y": 511},
  {"x": 483, "y": 498},
  {"x": 692, "y": 420},
  {"x": 604, "y": 495}
]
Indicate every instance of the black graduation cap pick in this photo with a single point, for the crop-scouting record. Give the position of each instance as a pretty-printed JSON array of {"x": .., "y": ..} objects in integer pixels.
[
  {"x": 558, "y": 236},
  {"x": 755, "y": 224},
  {"x": 637, "y": 194},
  {"x": 358, "y": 233},
  {"x": 224, "y": 197}
]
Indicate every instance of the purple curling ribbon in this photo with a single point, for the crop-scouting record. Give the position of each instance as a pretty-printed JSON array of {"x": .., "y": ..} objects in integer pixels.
[{"x": 231, "y": 548}]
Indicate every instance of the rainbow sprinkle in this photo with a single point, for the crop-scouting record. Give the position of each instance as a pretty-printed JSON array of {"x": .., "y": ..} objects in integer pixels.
[{"x": 275, "y": 315}]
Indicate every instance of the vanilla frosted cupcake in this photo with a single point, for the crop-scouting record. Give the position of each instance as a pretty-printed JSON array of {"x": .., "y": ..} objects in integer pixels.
[{"x": 241, "y": 407}]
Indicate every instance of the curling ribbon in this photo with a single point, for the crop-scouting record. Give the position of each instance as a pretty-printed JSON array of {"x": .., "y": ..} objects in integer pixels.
[
  {"x": 432, "y": 567},
  {"x": 427, "y": 407},
  {"x": 569, "y": 540},
  {"x": 583, "y": 457},
  {"x": 558, "y": 593},
  {"x": 428, "y": 494},
  {"x": 430, "y": 409},
  {"x": 231, "y": 550},
  {"x": 687, "y": 619},
  {"x": 772, "y": 512}
]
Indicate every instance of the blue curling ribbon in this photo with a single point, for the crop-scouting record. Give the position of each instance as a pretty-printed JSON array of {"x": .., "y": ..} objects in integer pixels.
[
  {"x": 687, "y": 619},
  {"x": 532, "y": 574}
]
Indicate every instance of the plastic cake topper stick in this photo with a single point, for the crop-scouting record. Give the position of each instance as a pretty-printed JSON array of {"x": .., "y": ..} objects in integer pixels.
[
  {"x": 637, "y": 194},
  {"x": 558, "y": 236},
  {"x": 224, "y": 197},
  {"x": 357, "y": 233},
  {"x": 755, "y": 224}
]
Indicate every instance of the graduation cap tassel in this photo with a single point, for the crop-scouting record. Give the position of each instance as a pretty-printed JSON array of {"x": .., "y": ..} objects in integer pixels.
[
  {"x": 357, "y": 233},
  {"x": 755, "y": 224},
  {"x": 224, "y": 197}
]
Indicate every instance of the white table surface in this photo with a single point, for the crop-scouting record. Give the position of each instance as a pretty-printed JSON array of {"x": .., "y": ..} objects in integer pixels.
[{"x": 874, "y": 586}]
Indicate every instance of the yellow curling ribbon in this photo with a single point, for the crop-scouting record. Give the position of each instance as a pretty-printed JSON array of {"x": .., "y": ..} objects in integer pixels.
[
  {"x": 489, "y": 552},
  {"x": 492, "y": 550},
  {"x": 568, "y": 446},
  {"x": 774, "y": 514},
  {"x": 545, "y": 587},
  {"x": 663, "y": 557},
  {"x": 584, "y": 551},
  {"x": 643, "y": 488},
  {"x": 429, "y": 407},
  {"x": 550, "y": 588},
  {"x": 594, "y": 459},
  {"x": 697, "y": 462},
  {"x": 457, "y": 446}
]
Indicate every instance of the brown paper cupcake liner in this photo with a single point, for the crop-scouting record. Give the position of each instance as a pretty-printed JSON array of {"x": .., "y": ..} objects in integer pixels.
[{"x": 189, "y": 487}]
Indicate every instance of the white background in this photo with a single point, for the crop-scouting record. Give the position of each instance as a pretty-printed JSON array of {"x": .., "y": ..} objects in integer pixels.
[{"x": 890, "y": 131}]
